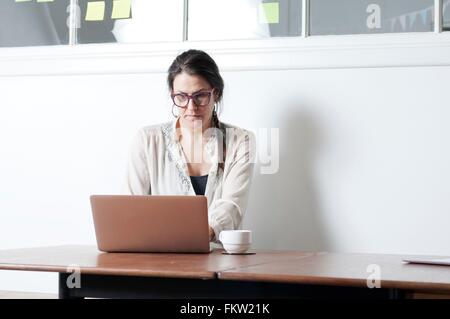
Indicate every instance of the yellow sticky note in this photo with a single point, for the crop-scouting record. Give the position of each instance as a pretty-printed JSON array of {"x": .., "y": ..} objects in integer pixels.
[
  {"x": 269, "y": 12},
  {"x": 121, "y": 9},
  {"x": 95, "y": 11}
]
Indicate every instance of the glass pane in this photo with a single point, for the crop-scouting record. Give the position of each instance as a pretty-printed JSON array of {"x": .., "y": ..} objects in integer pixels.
[
  {"x": 244, "y": 19},
  {"x": 371, "y": 16},
  {"x": 31, "y": 23},
  {"x": 126, "y": 21},
  {"x": 446, "y": 12}
]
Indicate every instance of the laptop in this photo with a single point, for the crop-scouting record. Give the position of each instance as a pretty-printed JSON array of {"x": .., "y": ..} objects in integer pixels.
[{"x": 151, "y": 223}]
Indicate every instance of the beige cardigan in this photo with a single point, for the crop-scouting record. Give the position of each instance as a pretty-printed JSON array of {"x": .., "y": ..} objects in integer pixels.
[{"x": 157, "y": 166}]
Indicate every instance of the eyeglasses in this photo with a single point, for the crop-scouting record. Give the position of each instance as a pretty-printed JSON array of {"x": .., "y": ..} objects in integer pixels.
[{"x": 199, "y": 98}]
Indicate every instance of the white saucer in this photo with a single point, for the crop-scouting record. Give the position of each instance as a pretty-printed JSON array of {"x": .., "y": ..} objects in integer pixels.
[{"x": 246, "y": 253}]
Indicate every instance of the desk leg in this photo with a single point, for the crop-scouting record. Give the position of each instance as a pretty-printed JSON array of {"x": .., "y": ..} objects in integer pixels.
[{"x": 65, "y": 292}]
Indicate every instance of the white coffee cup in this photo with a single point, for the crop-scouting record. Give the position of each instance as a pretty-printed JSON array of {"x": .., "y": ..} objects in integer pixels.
[{"x": 236, "y": 241}]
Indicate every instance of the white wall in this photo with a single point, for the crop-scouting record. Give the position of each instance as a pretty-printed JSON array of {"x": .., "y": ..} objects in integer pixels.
[{"x": 363, "y": 155}]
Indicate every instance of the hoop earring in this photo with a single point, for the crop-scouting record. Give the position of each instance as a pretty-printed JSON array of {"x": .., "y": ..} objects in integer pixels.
[
  {"x": 174, "y": 115},
  {"x": 216, "y": 109}
]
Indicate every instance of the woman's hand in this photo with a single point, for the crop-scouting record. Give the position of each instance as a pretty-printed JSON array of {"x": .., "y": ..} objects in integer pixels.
[{"x": 211, "y": 234}]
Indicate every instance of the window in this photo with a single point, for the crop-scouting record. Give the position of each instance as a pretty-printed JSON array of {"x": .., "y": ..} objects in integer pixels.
[
  {"x": 370, "y": 16},
  {"x": 126, "y": 21},
  {"x": 49, "y": 22},
  {"x": 63, "y": 22},
  {"x": 244, "y": 19},
  {"x": 29, "y": 23},
  {"x": 446, "y": 13}
]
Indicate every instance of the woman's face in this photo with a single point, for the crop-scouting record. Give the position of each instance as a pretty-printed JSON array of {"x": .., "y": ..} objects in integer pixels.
[{"x": 184, "y": 83}]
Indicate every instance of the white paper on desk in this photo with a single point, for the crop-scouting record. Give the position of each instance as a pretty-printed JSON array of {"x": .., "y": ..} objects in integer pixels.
[{"x": 431, "y": 261}]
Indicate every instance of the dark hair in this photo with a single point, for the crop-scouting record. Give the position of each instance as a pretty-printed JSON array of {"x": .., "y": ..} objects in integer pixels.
[{"x": 199, "y": 63}]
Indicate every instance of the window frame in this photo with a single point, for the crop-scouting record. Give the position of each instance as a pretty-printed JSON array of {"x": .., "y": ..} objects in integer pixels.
[{"x": 281, "y": 53}]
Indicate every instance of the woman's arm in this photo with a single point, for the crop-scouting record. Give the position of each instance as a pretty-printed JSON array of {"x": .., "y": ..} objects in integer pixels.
[
  {"x": 227, "y": 212},
  {"x": 211, "y": 234},
  {"x": 137, "y": 179}
]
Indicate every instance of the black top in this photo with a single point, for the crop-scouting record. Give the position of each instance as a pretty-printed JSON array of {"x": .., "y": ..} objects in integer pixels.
[{"x": 199, "y": 184}]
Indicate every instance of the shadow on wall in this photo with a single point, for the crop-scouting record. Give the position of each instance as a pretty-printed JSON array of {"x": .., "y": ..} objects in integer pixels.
[{"x": 284, "y": 211}]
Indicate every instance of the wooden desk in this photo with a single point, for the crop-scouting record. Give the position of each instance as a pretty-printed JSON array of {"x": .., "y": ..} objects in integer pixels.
[
  {"x": 138, "y": 275},
  {"x": 265, "y": 274},
  {"x": 348, "y": 270}
]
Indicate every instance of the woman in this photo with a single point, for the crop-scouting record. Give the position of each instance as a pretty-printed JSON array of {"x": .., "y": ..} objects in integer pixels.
[{"x": 186, "y": 156}]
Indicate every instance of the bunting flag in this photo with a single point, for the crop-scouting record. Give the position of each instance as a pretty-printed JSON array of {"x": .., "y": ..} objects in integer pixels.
[
  {"x": 412, "y": 17},
  {"x": 423, "y": 15},
  {"x": 392, "y": 24},
  {"x": 402, "y": 19}
]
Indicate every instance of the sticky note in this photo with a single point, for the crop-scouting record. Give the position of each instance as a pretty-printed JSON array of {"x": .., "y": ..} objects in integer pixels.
[
  {"x": 95, "y": 11},
  {"x": 45, "y": 0},
  {"x": 121, "y": 9},
  {"x": 269, "y": 12},
  {"x": 23, "y": 0}
]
